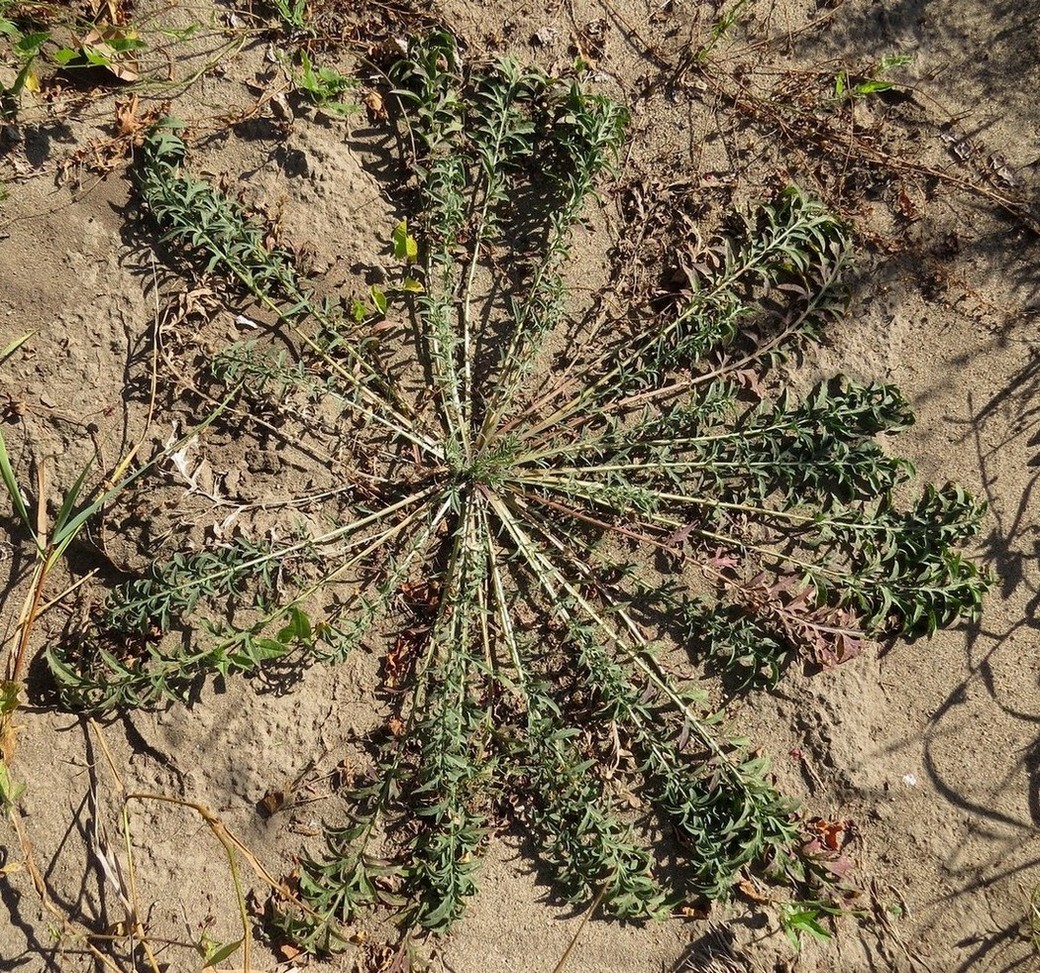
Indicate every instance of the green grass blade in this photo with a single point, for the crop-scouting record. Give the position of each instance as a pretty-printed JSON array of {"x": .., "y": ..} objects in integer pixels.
[
  {"x": 12, "y": 489},
  {"x": 64, "y": 535},
  {"x": 6, "y": 472},
  {"x": 70, "y": 499},
  {"x": 14, "y": 346}
]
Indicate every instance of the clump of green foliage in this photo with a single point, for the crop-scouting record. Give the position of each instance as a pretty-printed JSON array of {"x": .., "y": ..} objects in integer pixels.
[
  {"x": 580, "y": 505},
  {"x": 53, "y": 34},
  {"x": 325, "y": 87}
]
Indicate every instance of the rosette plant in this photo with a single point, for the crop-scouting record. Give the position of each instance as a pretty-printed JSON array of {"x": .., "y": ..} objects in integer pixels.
[{"x": 564, "y": 513}]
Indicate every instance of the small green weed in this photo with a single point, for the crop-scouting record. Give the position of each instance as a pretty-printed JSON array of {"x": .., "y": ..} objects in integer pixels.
[
  {"x": 567, "y": 524},
  {"x": 53, "y": 34},
  {"x": 805, "y": 918},
  {"x": 325, "y": 87},
  {"x": 111, "y": 47},
  {"x": 293, "y": 14},
  {"x": 10, "y": 791},
  {"x": 726, "y": 21},
  {"x": 870, "y": 83},
  {"x": 26, "y": 46},
  {"x": 50, "y": 539}
]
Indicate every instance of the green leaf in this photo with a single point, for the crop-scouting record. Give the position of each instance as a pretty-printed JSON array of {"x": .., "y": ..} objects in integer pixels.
[
  {"x": 803, "y": 918},
  {"x": 9, "y": 695},
  {"x": 872, "y": 87},
  {"x": 298, "y": 629},
  {"x": 10, "y": 791},
  {"x": 123, "y": 44},
  {"x": 378, "y": 299},
  {"x": 405, "y": 246},
  {"x": 215, "y": 953},
  {"x": 11, "y": 484},
  {"x": 301, "y": 625},
  {"x": 70, "y": 499},
  {"x": 14, "y": 346},
  {"x": 26, "y": 79},
  {"x": 98, "y": 56},
  {"x": 29, "y": 45}
]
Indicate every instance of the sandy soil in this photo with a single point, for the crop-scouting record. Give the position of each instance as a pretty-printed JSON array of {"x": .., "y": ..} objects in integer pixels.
[{"x": 930, "y": 748}]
